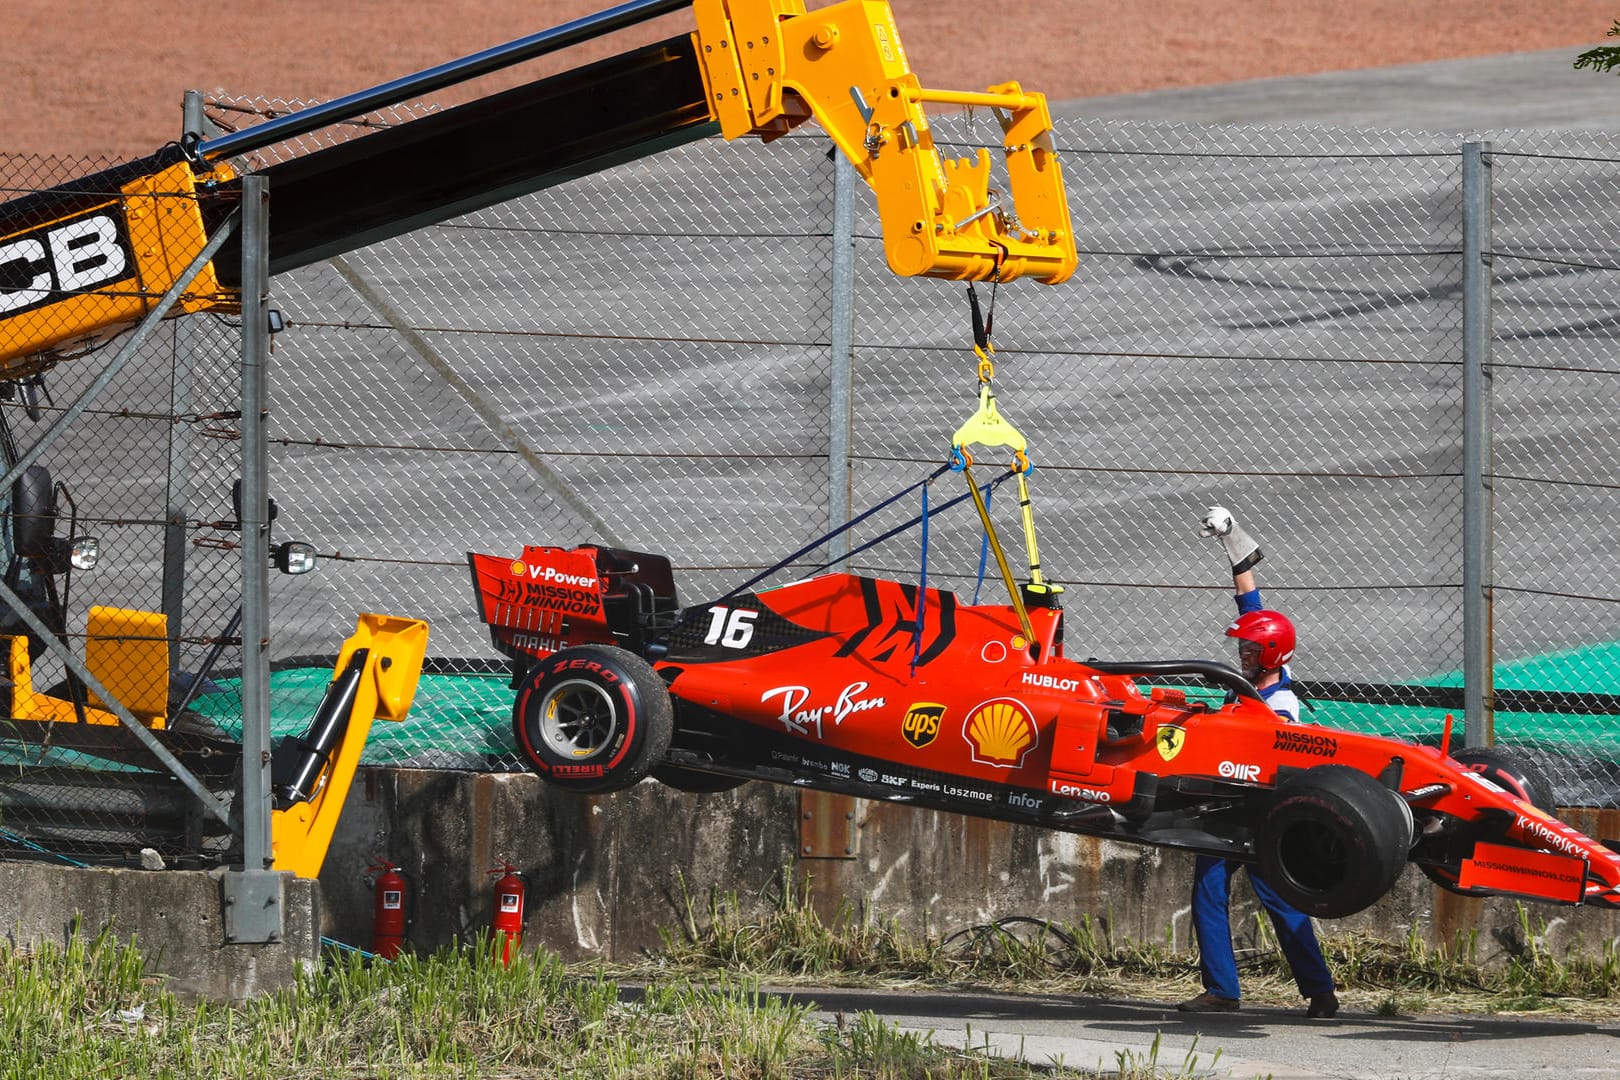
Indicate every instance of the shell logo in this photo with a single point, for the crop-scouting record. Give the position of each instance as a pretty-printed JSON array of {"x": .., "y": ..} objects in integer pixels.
[
  {"x": 1001, "y": 732},
  {"x": 519, "y": 569}
]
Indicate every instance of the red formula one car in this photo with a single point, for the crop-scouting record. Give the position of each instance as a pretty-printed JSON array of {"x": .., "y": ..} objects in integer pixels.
[{"x": 882, "y": 690}]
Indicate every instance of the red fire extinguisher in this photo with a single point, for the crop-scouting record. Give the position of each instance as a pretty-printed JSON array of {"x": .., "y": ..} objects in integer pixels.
[
  {"x": 388, "y": 916},
  {"x": 507, "y": 922}
]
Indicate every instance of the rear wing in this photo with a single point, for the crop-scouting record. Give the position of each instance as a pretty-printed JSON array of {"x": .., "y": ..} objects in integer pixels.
[{"x": 551, "y": 598}]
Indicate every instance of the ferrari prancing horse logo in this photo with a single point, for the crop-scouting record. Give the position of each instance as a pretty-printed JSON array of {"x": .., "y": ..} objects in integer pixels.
[{"x": 1170, "y": 740}]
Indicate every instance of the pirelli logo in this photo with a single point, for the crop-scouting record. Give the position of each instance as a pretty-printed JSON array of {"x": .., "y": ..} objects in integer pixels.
[{"x": 75, "y": 255}]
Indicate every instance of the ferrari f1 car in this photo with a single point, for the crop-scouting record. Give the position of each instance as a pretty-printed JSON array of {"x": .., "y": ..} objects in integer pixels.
[{"x": 885, "y": 690}]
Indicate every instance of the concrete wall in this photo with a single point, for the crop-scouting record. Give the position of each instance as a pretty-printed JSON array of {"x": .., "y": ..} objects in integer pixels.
[
  {"x": 175, "y": 917},
  {"x": 605, "y": 874}
]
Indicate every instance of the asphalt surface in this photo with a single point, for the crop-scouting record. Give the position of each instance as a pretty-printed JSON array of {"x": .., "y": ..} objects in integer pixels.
[
  {"x": 1520, "y": 90},
  {"x": 1112, "y": 1035}
]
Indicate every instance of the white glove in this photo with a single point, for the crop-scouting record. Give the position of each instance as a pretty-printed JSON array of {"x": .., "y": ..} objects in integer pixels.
[
  {"x": 1217, "y": 521},
  {"x": 1241, "y": 548}
]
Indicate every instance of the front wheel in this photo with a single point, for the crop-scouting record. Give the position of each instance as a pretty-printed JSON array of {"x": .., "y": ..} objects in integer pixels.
[
  {"x": 1514, "y": 775},
  {"x": 1334, "y": 841},
  {"x": 593, "y": 719},
  {"x": 1508, "y": 771}
]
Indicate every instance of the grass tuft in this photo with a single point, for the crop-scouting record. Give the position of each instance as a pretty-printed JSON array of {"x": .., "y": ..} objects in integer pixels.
[
  {"x": 89, "y": 1007},
  {"x": 783, "y": 938}
]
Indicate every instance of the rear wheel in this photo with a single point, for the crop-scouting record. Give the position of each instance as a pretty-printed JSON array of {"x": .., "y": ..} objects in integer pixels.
[
  {"x": 1334, "y": 841},
  {"x": 593, "y": 719}
]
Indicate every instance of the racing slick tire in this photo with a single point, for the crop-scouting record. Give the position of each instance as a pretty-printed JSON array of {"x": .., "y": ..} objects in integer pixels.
[
  {"x": 1334, "y": 840},
  {"x": 593, "y": 719},
  {"x": 1507, "y": 771},
  {"x": 696, "y": 781}
]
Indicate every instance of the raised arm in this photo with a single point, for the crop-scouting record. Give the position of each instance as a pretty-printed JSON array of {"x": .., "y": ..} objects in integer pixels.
[{"x": 1241, "y": 551}]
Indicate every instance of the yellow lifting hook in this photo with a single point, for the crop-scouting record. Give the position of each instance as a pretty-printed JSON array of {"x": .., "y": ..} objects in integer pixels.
[{"x": 988, "y": 427}]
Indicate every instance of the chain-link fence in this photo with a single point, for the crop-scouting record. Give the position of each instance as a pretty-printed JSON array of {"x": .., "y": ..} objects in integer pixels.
[
  {"x": 1273, "y": 319},
  {"x": 139, "y": 454}
]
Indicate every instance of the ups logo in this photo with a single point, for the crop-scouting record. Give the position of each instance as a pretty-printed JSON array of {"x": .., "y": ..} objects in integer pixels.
[{"x": 921, "y": 724}]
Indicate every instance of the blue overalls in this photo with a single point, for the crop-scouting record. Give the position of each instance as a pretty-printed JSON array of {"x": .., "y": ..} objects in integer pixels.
[{"x": 1212, "y": 889}]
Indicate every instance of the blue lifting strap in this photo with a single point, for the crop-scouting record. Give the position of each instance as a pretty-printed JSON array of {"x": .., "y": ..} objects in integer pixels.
[{"x": 922, "y": 587}]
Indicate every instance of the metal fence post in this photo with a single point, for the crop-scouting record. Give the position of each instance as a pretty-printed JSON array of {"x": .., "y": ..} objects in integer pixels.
[
  {"x": 182, "y": 463},
  {"x": 1478, "y": 555},
  {"x": 253, "y": 896},
  {"x": 841, "y": 359}
]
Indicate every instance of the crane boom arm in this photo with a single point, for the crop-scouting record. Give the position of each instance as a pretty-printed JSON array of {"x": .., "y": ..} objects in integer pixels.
[
  {"x": 772, "y": 64},
  {"x": 87, "y": 259}
]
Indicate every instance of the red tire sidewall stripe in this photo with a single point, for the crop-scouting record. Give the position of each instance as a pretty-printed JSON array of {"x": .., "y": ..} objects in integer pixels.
[
  {"x": 618, "y": 687},
  {"x": 631, "y": 718},
  {"x": 521, "y": 710},
  {"x": 1502, "y": 778}
]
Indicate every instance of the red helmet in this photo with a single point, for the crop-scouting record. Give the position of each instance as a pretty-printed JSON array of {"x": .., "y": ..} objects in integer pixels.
[{"x": 1270, "y": 630}]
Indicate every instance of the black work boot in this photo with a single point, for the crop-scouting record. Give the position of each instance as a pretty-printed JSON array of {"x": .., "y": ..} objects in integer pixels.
[
  {"x": 1323, "y": 1006},
  {"x": 1208, "y": 1002}
]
